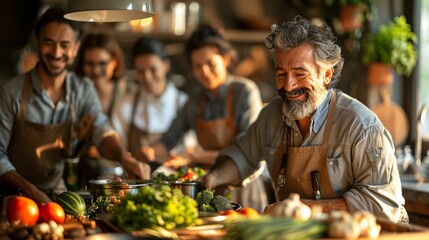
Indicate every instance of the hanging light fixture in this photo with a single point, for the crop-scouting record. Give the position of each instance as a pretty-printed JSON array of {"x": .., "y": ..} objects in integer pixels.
[{"x": 108, "y": 10}]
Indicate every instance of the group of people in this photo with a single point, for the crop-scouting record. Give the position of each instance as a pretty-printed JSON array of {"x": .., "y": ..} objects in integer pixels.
[{"x": 311, "y": 127}]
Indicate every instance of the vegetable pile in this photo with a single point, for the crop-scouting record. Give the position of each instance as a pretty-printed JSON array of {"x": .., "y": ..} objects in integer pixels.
[
  {"x": 155, "y": 206},
  {"x": 183, "y": 174},
  {"x": 265, "y": 227},
  {"x": 292, "y": 219},
  {"x": 208, "y": 202}
]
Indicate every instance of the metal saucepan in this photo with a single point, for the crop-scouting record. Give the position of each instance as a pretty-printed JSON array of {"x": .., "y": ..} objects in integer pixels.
[
  {"x": 188, "y": 188},
  {"x": 104, "y": 187}
]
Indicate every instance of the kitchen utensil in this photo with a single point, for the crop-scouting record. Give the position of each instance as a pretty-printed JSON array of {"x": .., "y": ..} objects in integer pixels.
[
  {"x": 316, "y": 184},
  {"x": 105, "y": 187},
  {"x": 392, "y": 116},
  {"x": 190, "y": 188}
]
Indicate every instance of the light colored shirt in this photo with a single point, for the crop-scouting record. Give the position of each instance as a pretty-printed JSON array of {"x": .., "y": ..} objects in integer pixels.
[
  {"x": 160, "y": 111},
  {"x": 42, "y": 110},
  {"x": 246, "y": 105},
  {"x": 361, "y": 162}
]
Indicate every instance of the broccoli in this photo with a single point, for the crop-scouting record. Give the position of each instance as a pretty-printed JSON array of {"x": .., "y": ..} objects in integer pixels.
[
  {"x": 206, "y": 208},
  {"x": 204, "y": 197},
  {"x": 221, "y": 203}
]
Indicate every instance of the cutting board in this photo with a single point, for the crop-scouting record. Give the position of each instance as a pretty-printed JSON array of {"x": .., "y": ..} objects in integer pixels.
[{"x": 392, "y": 116}]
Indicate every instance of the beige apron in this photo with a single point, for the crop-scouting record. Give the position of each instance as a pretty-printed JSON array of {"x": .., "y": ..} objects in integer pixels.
[
  {"x": 301, "y": 161},
  {"x": 38, "y": 151},
  {"x": 138, "y": 137},
  {"x": 220, "y": 133}
]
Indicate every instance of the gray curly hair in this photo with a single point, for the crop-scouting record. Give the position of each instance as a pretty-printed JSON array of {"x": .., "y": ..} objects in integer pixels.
[{"x": 294, "y": 33}]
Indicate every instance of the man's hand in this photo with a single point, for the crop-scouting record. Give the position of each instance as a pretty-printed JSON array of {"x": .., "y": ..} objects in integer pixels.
[
  {"x": 269, "y": 208},
  {"x": 176, "y": 161},
  {"x": 35, "y": 194},
  {"x": 13, "y": 178},
  {"x": 146, "y": 154},
  {"x": 136, "y": 169}
]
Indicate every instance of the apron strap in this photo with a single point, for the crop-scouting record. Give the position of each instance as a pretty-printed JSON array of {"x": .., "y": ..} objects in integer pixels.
[
  {"x": 133, "y": 113},
  {"x": 329, "y": 119}
]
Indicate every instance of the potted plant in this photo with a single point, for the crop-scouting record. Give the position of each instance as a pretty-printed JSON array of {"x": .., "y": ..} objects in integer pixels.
[
  {"x": 391, "y": 48},
  {"x": 353, "y": 13}
]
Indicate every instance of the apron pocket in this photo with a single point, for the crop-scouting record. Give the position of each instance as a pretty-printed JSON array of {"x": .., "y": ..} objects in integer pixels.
[{"x": 305, "y": 188}]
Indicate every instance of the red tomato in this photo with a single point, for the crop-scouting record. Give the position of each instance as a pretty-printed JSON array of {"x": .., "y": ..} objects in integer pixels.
[
  {"x": 22, "y": 211},
  {"x": 249, "y": 212},
  {"x": 189, "y": 176},
  {"x": 51, "y": 211},
  {"x": 228, "y": 212}
]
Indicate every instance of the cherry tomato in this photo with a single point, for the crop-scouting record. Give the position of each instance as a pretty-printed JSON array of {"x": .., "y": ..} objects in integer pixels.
[
  {"x": 22, "y": 211},
  {"x": 51, "y": 211},
  {"x": 249, "y": 212},
  {"x": 189, "y": 176},
  {"x": 228, "y": 212}
]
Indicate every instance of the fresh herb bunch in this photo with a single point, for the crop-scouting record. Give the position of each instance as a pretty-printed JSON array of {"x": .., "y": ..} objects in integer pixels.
[
  {"x": 393, "y": 45},
  {"x": 104, "y": 204},
  {"x": 156, "y": 205}
]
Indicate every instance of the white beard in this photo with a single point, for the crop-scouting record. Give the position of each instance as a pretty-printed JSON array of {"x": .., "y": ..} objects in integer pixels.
[{"x": 297, "y": 110}]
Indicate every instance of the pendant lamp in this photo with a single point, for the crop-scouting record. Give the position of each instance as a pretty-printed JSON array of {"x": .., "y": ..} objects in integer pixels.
[{"x": 108, "y": 10}]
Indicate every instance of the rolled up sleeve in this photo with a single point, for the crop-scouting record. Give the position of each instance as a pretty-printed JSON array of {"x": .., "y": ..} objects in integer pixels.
[{"x": 377, "y": 186}]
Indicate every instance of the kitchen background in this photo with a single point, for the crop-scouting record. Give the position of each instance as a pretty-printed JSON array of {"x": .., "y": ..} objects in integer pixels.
[{"x": 245, "y": 23}]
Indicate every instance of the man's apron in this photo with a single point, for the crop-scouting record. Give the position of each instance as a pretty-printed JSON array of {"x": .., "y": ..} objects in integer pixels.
[
  {"x": 301, "y": 161},
  {"x": 38, "y": 151},
  {"x": 219, "y": 133}
]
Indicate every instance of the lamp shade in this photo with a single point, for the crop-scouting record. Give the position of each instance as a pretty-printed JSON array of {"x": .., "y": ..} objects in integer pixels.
[{"x": 108, "y": 10}]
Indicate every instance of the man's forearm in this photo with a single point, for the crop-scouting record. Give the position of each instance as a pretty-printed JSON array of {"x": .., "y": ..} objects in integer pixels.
[
  {"x": 328, "y": 205},
  {"x": 112, "y": 148},
  {"x": 224, "y": 172}
]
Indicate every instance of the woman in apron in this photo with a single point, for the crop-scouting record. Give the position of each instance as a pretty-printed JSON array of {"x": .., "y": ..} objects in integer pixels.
[
  {"x": 219, "y": 108},
  {"x": 101, "y": 59},
  {"x": 141, "y": 118}
]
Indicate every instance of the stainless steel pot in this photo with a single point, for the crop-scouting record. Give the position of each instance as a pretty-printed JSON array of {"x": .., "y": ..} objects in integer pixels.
[
  {"x": 106, "y": 187},
  {"x": 188, "y": 188}
]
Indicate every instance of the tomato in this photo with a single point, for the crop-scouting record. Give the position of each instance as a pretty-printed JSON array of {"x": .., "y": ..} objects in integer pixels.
[
  {"x": 249, "y": 212},
  {"x": 228, "y": 212},
  {"x": 51, "y": 211},
  {"x": 22, "y": 211},
  {"x": 189, "y": 176}
]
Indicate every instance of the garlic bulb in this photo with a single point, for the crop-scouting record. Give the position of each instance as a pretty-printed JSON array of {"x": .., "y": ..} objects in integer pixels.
[
  {"x": 368, "y": 224},
  {"x": 292, "y": 207},
  {"x": 343, "y": 226}
]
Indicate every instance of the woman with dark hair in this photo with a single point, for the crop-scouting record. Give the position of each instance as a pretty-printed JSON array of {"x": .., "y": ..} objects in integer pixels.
[
  {"x": 143, "y": 117},
  {"x": 102, "y": 60},
  {"x": 219, "y": 108}
]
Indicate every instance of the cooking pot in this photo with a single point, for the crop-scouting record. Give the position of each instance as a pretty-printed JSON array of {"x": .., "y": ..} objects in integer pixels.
[
  {"x": 190, "y": 188},
  {"x": 107, "y": 187}
]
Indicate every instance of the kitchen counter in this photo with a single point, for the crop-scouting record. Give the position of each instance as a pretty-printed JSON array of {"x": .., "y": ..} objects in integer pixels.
[{"x": 416, "y": 196}]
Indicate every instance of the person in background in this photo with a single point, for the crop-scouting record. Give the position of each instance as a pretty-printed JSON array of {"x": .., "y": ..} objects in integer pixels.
[
  {"x": 102, "y": 60},
  {"x": 39, "y": 111},
  {"x": 141, "y": 118},
  {"x": 313, "y": 129},
  {"x": 219, "y": 108}
]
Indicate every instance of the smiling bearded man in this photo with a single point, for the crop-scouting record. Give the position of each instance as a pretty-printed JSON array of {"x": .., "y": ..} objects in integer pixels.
[{"x": 313, "y": 129}]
